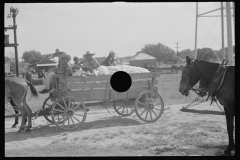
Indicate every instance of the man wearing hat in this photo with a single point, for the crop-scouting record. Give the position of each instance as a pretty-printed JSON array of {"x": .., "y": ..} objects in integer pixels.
[
  {"x": 110, "y": 60},
  {"x": 90, "y": 63},
  {"x": 49, "y": 76},
  {"x": 65, "y": 71}
]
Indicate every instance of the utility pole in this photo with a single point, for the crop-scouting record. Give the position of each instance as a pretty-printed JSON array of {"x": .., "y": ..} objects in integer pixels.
[
  {"x": 177, "y": 49},
  {"x": 195, "y": 47},
  {"x": 222, "y": 24},
  {"x": 14, "y": 12},
  {"x": 229, "y": 33}
]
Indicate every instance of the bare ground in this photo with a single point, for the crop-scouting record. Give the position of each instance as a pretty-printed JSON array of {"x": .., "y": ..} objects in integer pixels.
[{"x": 176, "y": 133}]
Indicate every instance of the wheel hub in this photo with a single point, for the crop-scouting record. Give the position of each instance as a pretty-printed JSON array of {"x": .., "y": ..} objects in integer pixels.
[
  {"x": 70, "y": 113},
  {"x": 151, "y": 106}
]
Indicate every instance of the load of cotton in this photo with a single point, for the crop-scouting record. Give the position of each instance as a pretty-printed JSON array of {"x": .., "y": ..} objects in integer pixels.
[{"x": 103, "y": 70}]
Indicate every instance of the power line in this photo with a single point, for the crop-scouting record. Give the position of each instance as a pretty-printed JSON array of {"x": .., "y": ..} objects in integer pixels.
[{"x": 177, "y": 49}]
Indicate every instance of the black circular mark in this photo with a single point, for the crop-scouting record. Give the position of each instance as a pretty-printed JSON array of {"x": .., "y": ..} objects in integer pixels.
[{"x": 121, "y": 81}]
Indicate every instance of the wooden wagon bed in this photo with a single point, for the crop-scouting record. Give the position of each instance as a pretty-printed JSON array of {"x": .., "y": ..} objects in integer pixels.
[{"x": 98, "y": 87}]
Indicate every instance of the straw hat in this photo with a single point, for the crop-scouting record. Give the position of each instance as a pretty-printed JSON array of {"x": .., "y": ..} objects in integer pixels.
[
  {"x": 66, "y": 55},
  {"x": 57, "y": 53},
  {"x": 88, "y": 53}
]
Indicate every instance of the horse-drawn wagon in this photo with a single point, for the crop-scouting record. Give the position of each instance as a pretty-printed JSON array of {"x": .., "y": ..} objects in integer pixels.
[{"x": 67, "y": 107}]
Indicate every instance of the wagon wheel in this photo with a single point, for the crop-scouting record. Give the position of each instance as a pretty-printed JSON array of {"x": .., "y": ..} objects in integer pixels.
[
  {"x": 124, "y": 109},
  {"x": 47, "y": 106},
  {"x": 69, "y": 113},
  {"x": 149, "y": 106}
]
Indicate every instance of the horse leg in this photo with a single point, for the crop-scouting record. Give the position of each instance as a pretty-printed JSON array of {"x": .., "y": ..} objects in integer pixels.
[
  {"x": 16, "y": 112},
  {"x": 230, "y": 127},
  {"x": 22, "y": 111},
  {"x": 29, "y": 115}
]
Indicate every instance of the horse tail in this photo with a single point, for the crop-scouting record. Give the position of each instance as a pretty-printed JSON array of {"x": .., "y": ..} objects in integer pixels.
[{"x": 32, "y": 88}]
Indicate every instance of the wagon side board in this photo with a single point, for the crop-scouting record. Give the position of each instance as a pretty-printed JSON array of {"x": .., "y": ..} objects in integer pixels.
[{"x": 99, "y": 88}]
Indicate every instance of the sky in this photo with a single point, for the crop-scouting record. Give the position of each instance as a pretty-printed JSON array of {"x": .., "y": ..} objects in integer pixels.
[{"x": 124, "y": 28}]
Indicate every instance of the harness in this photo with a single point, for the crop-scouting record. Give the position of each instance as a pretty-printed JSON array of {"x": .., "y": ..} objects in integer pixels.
[{"x": 214, "y": 84}]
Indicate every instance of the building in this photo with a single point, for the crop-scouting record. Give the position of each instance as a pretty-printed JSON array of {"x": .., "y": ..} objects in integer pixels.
[
  {"x": 142, "y": 60},
  {"x": 7, "y": 65},
  {"x": 45, "y": 65},
  {"x": 22, "y": 67}
]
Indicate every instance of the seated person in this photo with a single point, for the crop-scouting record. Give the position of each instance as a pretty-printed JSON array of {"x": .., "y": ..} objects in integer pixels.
[
  {"x": 110, "y": 60},
  {"x": 64, "y": 71},
  {"x": 76, "y": 66},
  {"x": 90, "y": 63},
  {"x": 51, "y": 71}
]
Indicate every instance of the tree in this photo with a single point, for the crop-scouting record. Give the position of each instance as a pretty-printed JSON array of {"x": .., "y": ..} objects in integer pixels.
[
  {"x": 186, "y": 52},
  {"x": 160, "y": 51},
  {"x": 206, "y": 54},
  {"x": 31, "y": 56},
  {"x": 220, "y": 52},
  {"x": 47, "y": 56}
]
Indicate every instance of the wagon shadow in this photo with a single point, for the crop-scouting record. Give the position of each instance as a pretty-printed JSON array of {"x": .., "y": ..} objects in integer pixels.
[
  {"x": 42, "y": 131},
  {"x": 203, "y": 111}
]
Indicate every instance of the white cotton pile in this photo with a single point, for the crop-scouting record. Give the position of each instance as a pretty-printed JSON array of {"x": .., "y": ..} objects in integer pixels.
[
  {"x": 78, "y": 73},
  {"x": 103, "y": 70}
]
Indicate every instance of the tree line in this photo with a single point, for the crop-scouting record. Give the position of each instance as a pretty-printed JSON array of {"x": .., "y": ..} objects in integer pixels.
[
  {"x": 160, "y": 51},
  {"x": 165, "y": 54}
]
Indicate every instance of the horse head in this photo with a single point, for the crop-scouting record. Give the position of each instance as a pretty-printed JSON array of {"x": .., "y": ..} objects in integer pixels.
[{"x": 189, "y": 77}]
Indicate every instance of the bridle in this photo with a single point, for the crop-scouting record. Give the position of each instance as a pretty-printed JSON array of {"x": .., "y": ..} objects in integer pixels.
[{"x": 197, "y": 89}]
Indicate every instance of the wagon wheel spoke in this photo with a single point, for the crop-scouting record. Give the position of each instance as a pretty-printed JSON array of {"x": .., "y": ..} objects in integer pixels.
[
  {"x": 63, "y": 122},
  {"x": 58, "y": 110},
  {"x": 154, "y": 112},
  {"x": 78, "y": 114},
  {"x": 73, "y": 104},
  {"x": 48, "y": 104},
  {"x": 76, "y": 106},
  {"x": 119, "y": 108},
  {"x": 68, "y": 121},
  {"x": 76, "y": 118},
  {"x": 150, "y": 114},
  {"x": 127, "y": 110},
  {"x": 146, "y": 114},
  {"x": 72, "y": 121},
  {"x": 65, "y": 103},
  {"x": 143, "y": 112},
  {"x": 59, "y": 115},
  {"x": 52, "y": 100},
  {"x": 157, "y": 109},
  {"x": 59, "y": 120},
  {"x": 141, "y": 103},
  {"x": 123, "y": 109},
  {"x": 61, "y": 106},
  {"x": 69, "y": 102}
]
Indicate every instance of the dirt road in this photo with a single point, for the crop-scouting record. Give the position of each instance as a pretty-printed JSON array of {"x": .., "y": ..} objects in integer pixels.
[{"x": 176, "y": 133}]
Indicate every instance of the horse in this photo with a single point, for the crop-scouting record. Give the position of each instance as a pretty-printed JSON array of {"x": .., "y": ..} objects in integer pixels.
[
  {"x": 203, "y": 71},
  {"x": 16, "y": 90},
  {"x": 15, "y": 108}
]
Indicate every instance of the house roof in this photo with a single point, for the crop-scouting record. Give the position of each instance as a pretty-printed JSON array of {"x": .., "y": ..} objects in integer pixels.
[
  {"x": 47, "y": 61},
  {"x": 142, "y": 56}
]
